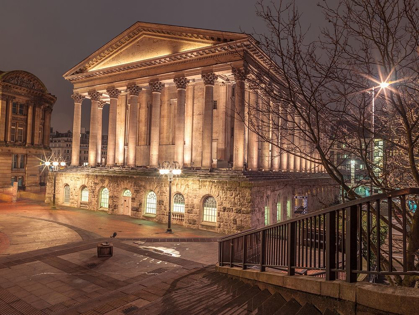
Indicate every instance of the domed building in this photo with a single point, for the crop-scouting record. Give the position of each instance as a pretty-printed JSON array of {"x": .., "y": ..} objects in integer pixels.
[{"x": 25, "y": 120}]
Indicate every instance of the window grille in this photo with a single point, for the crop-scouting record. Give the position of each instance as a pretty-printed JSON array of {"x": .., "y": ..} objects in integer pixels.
[
  {"x": 22, "y": 161},
  {"x": 127, "y": 193},
  {"x": 14, "y": 108},
  {"x": 104, "y": 198},
  {"x": 151, "y": 205},
  {"x": 179, "y": 203},
  {"x": 210, "y": 210},
  {"x": 21, "y": 109},
  {"x": 66, "y": 194},
  {"x": 266, "y": 215},
  {"x": 85, "y": 195},
  {"x": 278, "y": 211}
]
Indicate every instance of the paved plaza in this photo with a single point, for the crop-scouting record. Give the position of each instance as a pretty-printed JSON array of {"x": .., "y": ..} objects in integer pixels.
[{"x": 49, "y": 263}]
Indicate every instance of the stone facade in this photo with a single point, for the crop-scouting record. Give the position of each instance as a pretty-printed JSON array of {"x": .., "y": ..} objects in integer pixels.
[
  {"x": 241, "y": 200},
  {"x": 25, "y": 120}
]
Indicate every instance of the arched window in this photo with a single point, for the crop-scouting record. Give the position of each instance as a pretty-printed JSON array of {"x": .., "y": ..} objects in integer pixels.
[
  {"x": 104, "y": 198},
  {"x": 267, "y": 212},
  {"x": 151, "y": 204},
  {"x": 279, "y": 209},
  {"x": 127, "y": 193},
  {"x": 210, "y": 210},
  {"x": 84, "y": 195},
  {"x": 66, "y": 194},
  {"x": 179, "y": 203}
]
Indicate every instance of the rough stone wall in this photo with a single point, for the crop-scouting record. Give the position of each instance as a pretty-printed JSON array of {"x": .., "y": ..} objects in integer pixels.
[{"x": 240, "y": 203}]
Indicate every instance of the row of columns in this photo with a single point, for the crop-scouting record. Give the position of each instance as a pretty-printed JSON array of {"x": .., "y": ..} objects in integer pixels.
[
  {"x": 33, "y": 122},
  {"x": 271, "y": 157}
]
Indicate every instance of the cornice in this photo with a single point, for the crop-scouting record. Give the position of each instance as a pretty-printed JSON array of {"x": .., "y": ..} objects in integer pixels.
[{"x": 22, "y": 91}]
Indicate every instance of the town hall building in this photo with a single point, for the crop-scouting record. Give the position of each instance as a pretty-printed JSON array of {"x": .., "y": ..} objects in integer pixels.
[{"x": 179, "y": 94}]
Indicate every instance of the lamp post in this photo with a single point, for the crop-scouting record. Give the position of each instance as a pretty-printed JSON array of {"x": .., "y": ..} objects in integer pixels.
[
  {"x": 54, "y": 169},
  {"x": 383, "y": 86},
  {"x": 170, "y": 169}
]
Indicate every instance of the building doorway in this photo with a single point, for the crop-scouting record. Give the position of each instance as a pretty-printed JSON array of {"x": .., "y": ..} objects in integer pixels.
[{"x": 126, "y": 202}]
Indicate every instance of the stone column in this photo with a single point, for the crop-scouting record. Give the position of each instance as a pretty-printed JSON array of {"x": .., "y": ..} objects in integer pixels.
[
  {"x": 181, "y": 84},
  {"x": 238, "y": 154},
  {"x": 121, "y": 111},
  {"x": 254, "y": 123},
  {"x": 276, "y": 138},
  {"x": 37, "y": 124},
  {"x": 134, "y": 91},
  {"x": 4, "y": 100},
  {"x": 189, "y": 113},
  {"x": 209, "y": 79},
  {"x": 95, "y": 98},
  {"x": 100, "y": 106},
  {"x": 29, "y": 122},
  {"x": 8, "y": 119},
  {"x": 156, "y": 88},
  {"x": 266, "y": 130},
  {"x": 75, "y": 150},
  {"x": 113, "y": 95},
  {"x": 47, "y": 126}
]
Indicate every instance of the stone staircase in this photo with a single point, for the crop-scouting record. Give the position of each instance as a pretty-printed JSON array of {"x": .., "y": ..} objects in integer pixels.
[{"x": 208, "y": 292}]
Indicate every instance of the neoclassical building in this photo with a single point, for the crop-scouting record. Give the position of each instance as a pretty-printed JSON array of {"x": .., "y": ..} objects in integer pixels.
[
  {"x": 25, "y": 120},
  {"x": 179, "y": 94}
]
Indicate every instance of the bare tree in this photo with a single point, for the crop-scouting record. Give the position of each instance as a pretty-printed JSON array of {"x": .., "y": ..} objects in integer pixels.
[{"x": 326, "y": 93}]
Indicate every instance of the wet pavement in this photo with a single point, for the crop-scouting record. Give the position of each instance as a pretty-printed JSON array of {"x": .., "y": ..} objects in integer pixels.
[{"x": 49, "y": 263}]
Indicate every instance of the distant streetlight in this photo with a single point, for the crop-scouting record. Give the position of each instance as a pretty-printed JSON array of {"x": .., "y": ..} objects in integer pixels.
[
  {"x": 54, "y": 169},
  {"x": 382, "y": 85},
  {"x": 170, "y": 169}
]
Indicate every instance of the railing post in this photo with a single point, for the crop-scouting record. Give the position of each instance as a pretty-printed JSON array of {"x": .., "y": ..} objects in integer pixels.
[
  {"x": 262, "y": 250},
  {"x": 330, "y": 246},
  {"x": 292, "y": 243},
  {"x": 351, "y": 243},
  {"x": 231, "y": 253},
  {"x": 244, "y": 251},
  {"x": 220, "y": 254}
]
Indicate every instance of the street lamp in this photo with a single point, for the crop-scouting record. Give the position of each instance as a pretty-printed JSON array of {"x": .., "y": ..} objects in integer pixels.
[
  {"x": 383, "y": 86},
  {"x": 170, "y": 169},
  {"x": 54, "y": 168}
]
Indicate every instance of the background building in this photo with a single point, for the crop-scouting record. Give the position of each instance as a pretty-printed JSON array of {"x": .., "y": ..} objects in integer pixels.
[
  {"x": 25, "y": 120},
  {"x": 180, "y": 94}
]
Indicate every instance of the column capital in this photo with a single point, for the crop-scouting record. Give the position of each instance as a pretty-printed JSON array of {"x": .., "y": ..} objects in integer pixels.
[
  {"x": 156, "y": 86},
  {"x": 78, "y": 98},
  {"x": 181, "y": 82},
  {"x": 7, "y": 97},
  {"x": 133, "y": 89},
  {"x": 113, "y": 92},
  {"x": 209, "y": 78},
  {"x": 101, "y": 104},
  {"x": 239, "y": 74},
  {"x": 94, "y": 95}
]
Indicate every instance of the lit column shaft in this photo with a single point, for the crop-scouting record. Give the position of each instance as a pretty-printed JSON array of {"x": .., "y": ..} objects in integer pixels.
[
  {"x": 75, "y": 150},
  {"x": 120, "y": 130},
  {"x": 238, "y": 154},
  {"x": 253, "y": 122},
  {"x": 181, "y": 84},
  {"x": 113, "y": 94},
  {"x": 134, "y": 91},
  {"x": 47, "y": 126},
  {"x": 276, "y": 138},
  {"x": 29, "y": 123},
  {"x": 209, "y": 79},
  {"x": 156, "y": 88},
  {"x": 94, "y": 97}
]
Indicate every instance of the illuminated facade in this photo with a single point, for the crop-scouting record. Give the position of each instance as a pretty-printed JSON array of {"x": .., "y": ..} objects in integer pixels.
[
  {"x": 178, "y": 94},
  {"x": 25, "y": 120}
]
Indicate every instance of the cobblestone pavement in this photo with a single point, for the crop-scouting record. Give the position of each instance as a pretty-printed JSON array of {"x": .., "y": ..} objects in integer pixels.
[{"x": 49, "y": 263}]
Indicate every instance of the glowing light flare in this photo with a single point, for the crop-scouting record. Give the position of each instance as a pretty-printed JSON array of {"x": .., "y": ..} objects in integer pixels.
[
  {"x": 47, "y": 163},
  {"x": 177, "y": 172},
  {"x": 164, "y": 171}
]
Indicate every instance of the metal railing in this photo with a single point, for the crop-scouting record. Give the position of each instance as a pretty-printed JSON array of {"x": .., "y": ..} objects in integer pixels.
[{"x": 364, "y": 236}]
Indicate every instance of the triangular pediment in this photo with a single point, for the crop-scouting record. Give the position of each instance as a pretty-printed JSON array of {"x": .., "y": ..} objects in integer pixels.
[
  {"x": 146, "y": 41},
  {"x": 150, "y": 46}
]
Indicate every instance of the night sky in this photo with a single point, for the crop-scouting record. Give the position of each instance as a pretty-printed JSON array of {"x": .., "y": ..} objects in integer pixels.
[{"x": 48, "y": 37}]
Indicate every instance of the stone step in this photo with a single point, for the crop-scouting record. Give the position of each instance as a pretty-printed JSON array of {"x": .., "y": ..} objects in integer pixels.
[
  {"x": 271, "y": 305},
  {"x": 309, "y": 309},
  {"x": 290, "y": 308},
  {"x": 236, "y": 303},
  {"x": 258, "y": 300}
]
